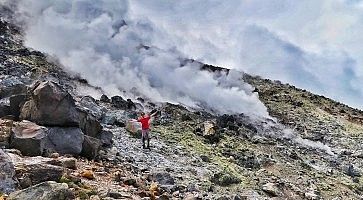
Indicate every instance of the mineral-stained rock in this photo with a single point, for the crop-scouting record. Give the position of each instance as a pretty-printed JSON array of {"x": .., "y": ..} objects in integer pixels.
[{"x": 28, "y": 137}]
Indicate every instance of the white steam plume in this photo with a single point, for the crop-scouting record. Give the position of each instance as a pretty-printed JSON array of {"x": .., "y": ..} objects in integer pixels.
[{"x": 103, "y": 40}]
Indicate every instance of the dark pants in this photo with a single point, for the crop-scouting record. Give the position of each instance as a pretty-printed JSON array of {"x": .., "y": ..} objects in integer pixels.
[{"x": 145, "y": 136}]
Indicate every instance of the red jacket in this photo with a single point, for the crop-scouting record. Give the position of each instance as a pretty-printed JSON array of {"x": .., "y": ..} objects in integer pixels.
[{"x": 144, "y": 122}]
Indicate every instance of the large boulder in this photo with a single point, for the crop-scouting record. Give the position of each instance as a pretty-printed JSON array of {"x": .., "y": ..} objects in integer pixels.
[
  {"x": 91, "y": 146},
  {"x": 44, "y": 191},
  {"x": 28, "y": 137},
  {"x": 7, "y": 173},
  {"x": 64, "y": 140},
  {"x": 50, "y": 105}
]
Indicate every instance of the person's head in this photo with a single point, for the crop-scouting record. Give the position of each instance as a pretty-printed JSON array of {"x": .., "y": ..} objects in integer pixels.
[{"x": 142, "y": 114}]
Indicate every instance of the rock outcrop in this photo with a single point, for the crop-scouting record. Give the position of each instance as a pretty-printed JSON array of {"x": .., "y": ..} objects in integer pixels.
[{"x": 50, "y": 105}]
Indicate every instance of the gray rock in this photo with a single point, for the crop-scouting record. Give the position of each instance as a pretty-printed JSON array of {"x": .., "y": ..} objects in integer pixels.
[
  {"x": 28, "y": 137},
  {"x": 44, "y": 191},
  {"x": 90, "y": 125},
  {"x": 50, "y": 105},
  {"x": 91, "y": 146},
  {"x": 7, "y": 173},
  {"x": 64, "y": 140},
  {"x": 106, "y": 138},
  {"x": 89, "y": 104},
  {"x": 163, "y": 178},
  {"x": 29, "y": 173},
  {"x": 70, "y": 163}
]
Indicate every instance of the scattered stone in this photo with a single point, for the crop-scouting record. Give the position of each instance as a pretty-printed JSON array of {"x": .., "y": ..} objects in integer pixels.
[
  {"x": 352, "y": 171},
  {"x": 163, "y": 178},
  {"x": 311, "y": 195},
  {"x": 70, "y": 163},
  {"x": 44, "y": 191},
  {"x": 270, "y": 189},
  {"x": 54, "y": 155},
  {"x": 88, "y": 174},
  {"x": 225, "y": 179}
]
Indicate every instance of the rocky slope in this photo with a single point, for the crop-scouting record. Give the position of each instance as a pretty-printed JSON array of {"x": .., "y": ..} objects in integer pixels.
[{"x": 58, "y": 139}]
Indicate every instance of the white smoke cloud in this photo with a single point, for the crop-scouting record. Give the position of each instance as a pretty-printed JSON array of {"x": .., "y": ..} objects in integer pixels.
[
  {"x": 103, "y": 41},
  {"x": 312, "y": 44}
]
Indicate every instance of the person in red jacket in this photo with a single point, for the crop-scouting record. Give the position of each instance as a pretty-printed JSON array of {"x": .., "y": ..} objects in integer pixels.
[{"x": 145, "y": 128}]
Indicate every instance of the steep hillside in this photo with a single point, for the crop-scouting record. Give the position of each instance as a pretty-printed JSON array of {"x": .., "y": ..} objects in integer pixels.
[{"x": 311, "y": 150}]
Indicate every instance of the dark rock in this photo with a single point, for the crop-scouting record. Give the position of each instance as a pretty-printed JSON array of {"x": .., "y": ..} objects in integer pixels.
[
  {"x": 50, "y": 105},
  {"x": 106, "y": 138},
  {"x": 4, "y": 110},
  {"x": 352, "y": 172},
  {"x": 91, "y": 146},
  {"x": 105, "y": 99},
  {"x": 16, "y": 103},
  {"x": 204, "y": 158},
  {"x": 7, "y": 174},
  {"x": 29, "y": 138},
  {"x": 90, "y": 125},
  {"x": 44, "y": 191},
  {"x": 118, "y": 102},
  {"x": 64, "y": 140},
  {"x": 163, "y": 178},
  {"x": 130, "y": 181},
  {"x": 130, "y": 105}
]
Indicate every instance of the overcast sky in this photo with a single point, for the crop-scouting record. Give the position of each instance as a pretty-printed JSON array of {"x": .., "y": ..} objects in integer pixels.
[{"x": 313, "y": 44}]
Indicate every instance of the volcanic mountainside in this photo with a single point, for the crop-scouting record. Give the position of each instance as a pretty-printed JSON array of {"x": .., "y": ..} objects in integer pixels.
[{"x": 60, "y": 143}]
